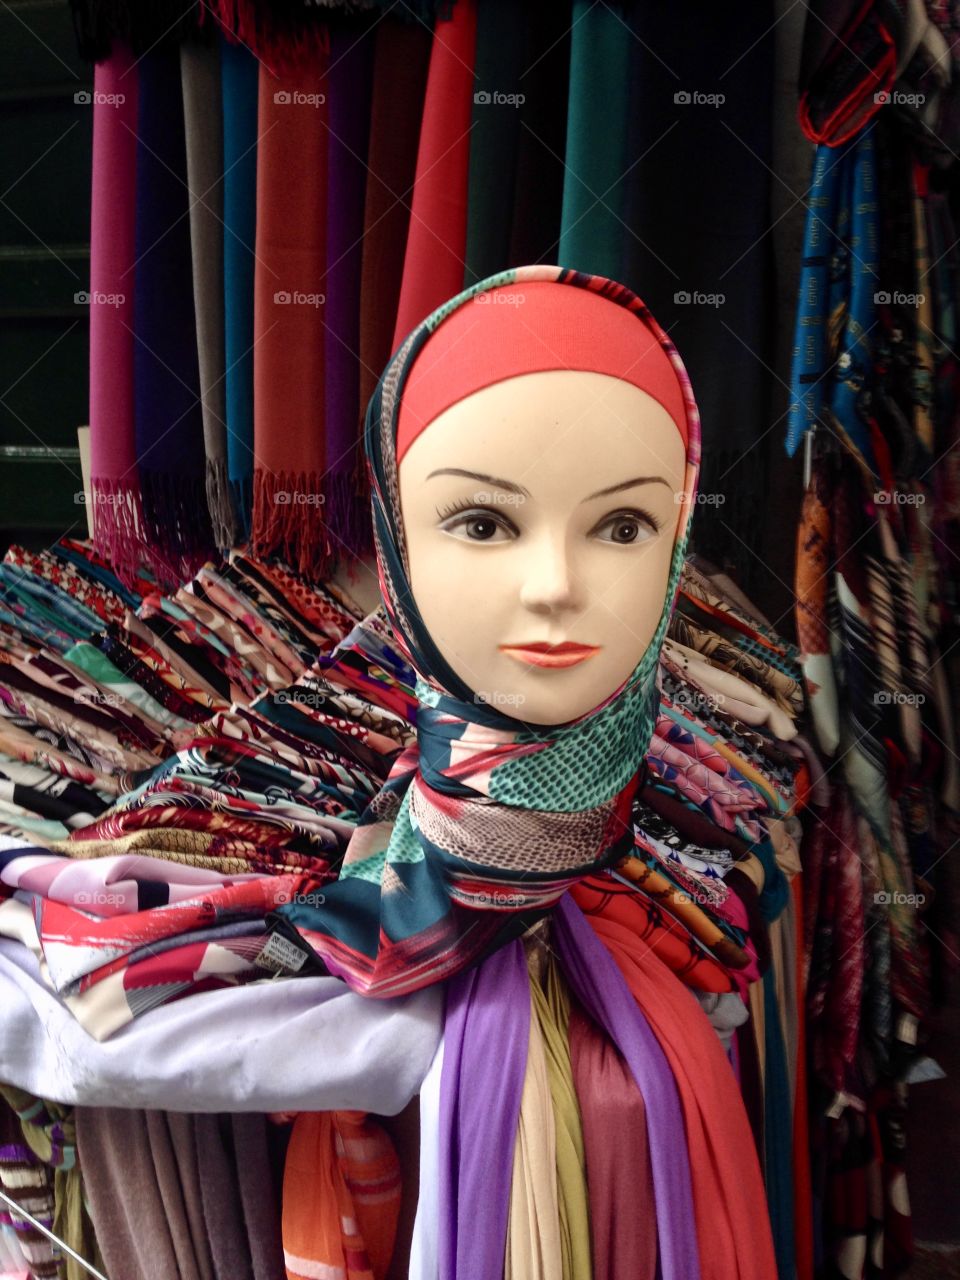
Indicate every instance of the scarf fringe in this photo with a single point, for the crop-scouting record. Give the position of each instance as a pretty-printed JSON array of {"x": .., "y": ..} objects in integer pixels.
[
  {"x": 141, "y": 24},
  {"x": 289, "y": 520},
  {"x": 118, "y": 527},
  {"x": 348, "y": 512},
  {"x": 278, "y": 33},
  {"x": 223, "y": 515},
  {"x": 242, "y": 493},
  {"x": 177, "y": 523}
]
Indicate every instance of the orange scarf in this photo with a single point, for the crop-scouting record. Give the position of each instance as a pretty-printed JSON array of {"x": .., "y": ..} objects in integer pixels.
[{"x": 341, "y": 1197}]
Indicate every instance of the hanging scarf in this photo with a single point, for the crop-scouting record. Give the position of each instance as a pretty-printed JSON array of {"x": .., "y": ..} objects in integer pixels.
[
  {"x": 202, "y": 111},
  {"x": 416, "y": 901},
  {"x": 290, "y": 429},
  {"x": 115, "y": 487},
  {"x": 592, "y": 232},
  {"x": 239, "y": 72},
  {"x": 169, "y": 421},
  {"x": 349, "y": 86},
  {"x": 832, "y": 372},
  {"x": 436, "y": 243}
]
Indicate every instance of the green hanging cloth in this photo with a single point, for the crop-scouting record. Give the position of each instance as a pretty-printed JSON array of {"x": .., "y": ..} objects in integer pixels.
[{"x": 592, "y": 229}]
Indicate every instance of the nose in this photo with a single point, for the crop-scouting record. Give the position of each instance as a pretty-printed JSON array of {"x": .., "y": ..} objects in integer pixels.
[{"x": 551, "y": 582}]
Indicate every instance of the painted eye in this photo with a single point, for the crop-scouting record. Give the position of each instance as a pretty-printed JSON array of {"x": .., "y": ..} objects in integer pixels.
[
  {"x": 627, "y": 527},
  {"x": 476, "y": 524}
]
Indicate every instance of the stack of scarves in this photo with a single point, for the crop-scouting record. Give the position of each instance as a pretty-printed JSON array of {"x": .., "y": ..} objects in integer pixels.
[{"x": 160, "y": 891}]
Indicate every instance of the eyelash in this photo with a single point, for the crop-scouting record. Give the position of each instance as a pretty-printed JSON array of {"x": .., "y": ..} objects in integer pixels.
[{"x": 456, "y": 507}]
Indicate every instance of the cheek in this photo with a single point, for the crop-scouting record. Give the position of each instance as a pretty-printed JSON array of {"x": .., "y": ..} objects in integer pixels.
[{"x": 631, "y": 597}]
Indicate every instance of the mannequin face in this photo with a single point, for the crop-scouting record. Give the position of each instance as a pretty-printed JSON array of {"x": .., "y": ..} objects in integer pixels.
[{"x": 539, "y": 553}]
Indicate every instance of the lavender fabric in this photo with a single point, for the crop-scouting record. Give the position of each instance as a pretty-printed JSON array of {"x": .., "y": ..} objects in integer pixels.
[
  {"x": 486, "y": 1033},
  {"x": 600, "y": 987}
]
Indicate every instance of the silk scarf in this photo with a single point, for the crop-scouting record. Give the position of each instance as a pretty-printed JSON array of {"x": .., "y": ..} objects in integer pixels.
[{"x": 416, "y": 900}]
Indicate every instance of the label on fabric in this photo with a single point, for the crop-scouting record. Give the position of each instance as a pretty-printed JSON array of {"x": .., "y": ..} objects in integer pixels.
[{"x": 280, "y": 954}]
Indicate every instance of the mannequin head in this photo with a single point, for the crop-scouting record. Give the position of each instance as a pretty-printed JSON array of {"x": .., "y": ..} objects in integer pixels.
[{"x": 563, "y": 534}]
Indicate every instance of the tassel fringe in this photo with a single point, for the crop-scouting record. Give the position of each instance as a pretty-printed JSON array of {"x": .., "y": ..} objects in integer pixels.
[
  {"x": 177, "y": 523},
  {"x": 223, "y": 515},
  {"x": 289, "y": 520}
]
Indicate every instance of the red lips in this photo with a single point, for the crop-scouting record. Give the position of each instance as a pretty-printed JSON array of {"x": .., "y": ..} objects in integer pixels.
[{"x": 539, "y": 653}]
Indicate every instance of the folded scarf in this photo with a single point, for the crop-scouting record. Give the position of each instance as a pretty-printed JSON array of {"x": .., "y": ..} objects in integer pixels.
[
  {"x": 115, "y": 486},
  {"x": 169, "y": 420},
  {"x": 415, "y": 901},
  {"x": 340, "y": 1049}
]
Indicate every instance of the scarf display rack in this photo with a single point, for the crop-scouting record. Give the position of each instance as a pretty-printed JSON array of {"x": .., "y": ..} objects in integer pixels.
[{"x": 195, "y": 715}]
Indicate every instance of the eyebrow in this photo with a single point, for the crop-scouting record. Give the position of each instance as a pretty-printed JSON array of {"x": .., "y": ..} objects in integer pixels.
[{"x": 510, "y": 487}]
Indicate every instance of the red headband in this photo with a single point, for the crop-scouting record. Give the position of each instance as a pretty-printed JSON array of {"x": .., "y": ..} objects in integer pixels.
[{"x": 532, "y": 327}]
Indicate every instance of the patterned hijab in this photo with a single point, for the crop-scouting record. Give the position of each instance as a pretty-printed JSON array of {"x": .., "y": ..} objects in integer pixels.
[{"x": 483, "y": 825}]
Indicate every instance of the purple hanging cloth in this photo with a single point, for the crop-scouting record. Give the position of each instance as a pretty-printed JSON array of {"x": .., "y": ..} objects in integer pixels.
[
  {"x": 486, "y": 1034},
  {"x": 600, "y": 987}
]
